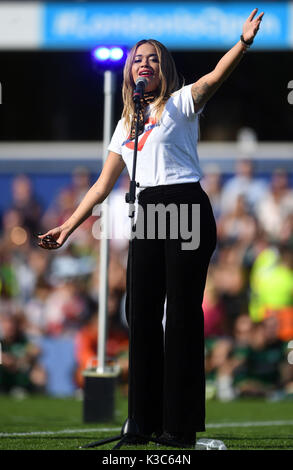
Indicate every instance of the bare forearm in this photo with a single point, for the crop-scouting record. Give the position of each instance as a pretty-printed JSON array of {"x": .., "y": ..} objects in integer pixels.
[
  {"x": 56, "y": 237},
  {"x": 94, "y": 196},
  {"x": 232, "y": 58},
  {"x": 205, "y": 87},
  {"x": 98, "y": 192},
  {"x": 228, "y": 63}
]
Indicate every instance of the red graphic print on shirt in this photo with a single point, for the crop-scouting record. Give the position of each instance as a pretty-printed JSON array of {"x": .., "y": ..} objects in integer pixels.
[{"x": 151, "y": 123}]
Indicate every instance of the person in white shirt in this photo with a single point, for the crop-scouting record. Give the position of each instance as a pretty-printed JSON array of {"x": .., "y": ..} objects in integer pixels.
[
  {"x": 168, "y": 387},
  {"x": 243, "y": 183},
  {"x": 276, "y": 207}
]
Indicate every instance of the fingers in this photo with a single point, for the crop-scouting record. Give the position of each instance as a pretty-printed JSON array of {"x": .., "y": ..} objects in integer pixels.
[
  {"x": 259, "y": 18},
  {"x": 258, "y": 21},
  {"x": 42, "y": 236},
  {"x": 48, "y": 242},
  {"x": 252, "y": 23},
  {"x": 252, "y": 14}
]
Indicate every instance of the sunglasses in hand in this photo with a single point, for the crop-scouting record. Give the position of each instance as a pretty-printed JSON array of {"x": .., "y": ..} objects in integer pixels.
[{"x": 47, "y": 242}]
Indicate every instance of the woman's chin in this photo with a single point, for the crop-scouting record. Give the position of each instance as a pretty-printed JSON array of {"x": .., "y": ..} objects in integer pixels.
[{"x": 150, "y": 87}]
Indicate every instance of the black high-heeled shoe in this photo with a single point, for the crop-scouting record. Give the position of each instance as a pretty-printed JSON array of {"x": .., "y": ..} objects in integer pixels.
[{"x": 178, "y": 439}]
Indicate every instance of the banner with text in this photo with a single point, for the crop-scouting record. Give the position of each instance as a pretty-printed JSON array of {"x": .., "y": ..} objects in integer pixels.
[{"x": 202, "y": 25}]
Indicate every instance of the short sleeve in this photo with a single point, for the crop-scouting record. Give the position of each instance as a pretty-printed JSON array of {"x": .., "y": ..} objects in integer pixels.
[
  {"x": 117, "y": 140},
  {"x": 184, "y": 102}
]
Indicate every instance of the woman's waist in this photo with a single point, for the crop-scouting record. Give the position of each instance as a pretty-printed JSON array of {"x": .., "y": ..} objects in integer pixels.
[{"x": 169, "y": 191}]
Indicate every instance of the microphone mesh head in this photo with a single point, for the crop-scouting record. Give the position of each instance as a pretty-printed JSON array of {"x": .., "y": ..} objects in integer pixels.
[{"x": 141, "y": 80}]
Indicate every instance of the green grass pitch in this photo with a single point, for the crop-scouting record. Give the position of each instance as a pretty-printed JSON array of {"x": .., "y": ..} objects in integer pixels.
[{"x": 46, "y": 423}]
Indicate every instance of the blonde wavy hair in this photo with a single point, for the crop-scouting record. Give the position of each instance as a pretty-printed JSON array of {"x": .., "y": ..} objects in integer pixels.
[{"x": 169, "y": 80}]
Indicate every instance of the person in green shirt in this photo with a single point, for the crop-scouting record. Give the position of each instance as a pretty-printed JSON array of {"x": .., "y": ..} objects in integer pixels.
[
  {"x": 271, "y": 281},
  {"x": 20, "y": 369}
]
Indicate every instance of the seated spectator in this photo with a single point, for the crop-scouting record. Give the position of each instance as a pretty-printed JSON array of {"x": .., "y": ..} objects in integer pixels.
[
  {"x": 271, "y": 282},
  {"x": 262, "y": 364},
  {"x": 218, "y": 370},
  {"x": 24, "y": 201},
  {"x": 229, "y": 279},
  {"x": 238, "y": 224},
  {"x": 17, "y": 256},
  {"x": 59, "y": 211},
  {"x": 212, "y": 185},
  {"x": 13, "y": 233},
  {"x": 28, "y": 269},
  {"x": 286, "y": 230},
  {"x": 242, "y": 330},
  {"x": 116, "y": 276},
  {"x": 35, "y": 310},
  {"x": 80, "y": 183},
  {"x": 66, "y": 308},
  {"x": 87, "y": 346},
  {"x": 244, "y": 183},
  {"x": 20, "y": 368},
  {"x": 68, "y": 198},
  {"x": 273, "y": 210},
  {"x": 8, "y": 280},
  {"x": 226, "y": 357},
  {"x": 284, "y": 320},
  {"x": 214, "y": 313},
  {"x": 117, "y": 334}
]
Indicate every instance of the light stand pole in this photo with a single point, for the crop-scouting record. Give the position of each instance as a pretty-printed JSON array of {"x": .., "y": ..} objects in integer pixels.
[{"x": 109, "y": 90}]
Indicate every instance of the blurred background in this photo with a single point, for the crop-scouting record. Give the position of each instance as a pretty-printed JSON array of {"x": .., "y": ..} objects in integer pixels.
[{"x": 51, "y": 150}]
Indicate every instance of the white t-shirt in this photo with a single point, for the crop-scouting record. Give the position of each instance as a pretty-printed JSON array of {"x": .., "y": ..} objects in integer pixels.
[{"x": 167, "y": 150}]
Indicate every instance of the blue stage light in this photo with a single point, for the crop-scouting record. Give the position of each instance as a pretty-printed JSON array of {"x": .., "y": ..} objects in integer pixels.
[
  {"x": 109, "y": 56},
  {"x": 116, "y": 53},
  {"x": 101, "y": 53}
]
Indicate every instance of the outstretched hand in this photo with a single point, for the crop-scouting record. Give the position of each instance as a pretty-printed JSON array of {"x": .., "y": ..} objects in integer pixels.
[
  {"x": 251, "y": 25},
  {"x": 54, "y": 238}
]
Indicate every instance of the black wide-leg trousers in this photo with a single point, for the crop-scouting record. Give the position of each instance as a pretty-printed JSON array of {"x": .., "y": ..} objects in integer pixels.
[{"x": 167, "y": 367}]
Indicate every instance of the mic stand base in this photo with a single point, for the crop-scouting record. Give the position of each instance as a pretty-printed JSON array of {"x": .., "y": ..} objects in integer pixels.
[{"x": 129, "y": 432}]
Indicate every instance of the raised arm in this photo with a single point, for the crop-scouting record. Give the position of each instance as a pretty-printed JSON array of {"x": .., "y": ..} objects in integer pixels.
[
  {"x": 111, "y": 171},
  {"x": 204, "y": 88}
]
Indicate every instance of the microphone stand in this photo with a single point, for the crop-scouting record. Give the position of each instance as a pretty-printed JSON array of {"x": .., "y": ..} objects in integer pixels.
[{"x": 130, "y": 428}]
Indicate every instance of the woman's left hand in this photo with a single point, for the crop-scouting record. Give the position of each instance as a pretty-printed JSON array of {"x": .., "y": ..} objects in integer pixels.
[{"x": 251, "y": 25}]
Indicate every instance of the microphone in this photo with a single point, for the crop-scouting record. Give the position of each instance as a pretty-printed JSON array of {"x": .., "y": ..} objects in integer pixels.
[{"x": 140, "y": 85}]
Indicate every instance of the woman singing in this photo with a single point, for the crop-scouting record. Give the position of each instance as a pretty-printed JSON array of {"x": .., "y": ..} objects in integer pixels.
[{"x": 168, "y": 395}]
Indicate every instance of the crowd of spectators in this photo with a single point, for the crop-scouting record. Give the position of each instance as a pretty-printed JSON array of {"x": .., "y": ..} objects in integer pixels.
[{"x": 248, "y": 301}]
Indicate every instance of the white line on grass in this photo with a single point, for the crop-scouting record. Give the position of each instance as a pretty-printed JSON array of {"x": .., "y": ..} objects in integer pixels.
[
  {"x": 53, "y": 433},
  {"x": 210, "y": 426},
  {"x": 250, "y": 424}
]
